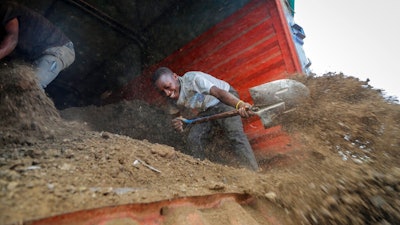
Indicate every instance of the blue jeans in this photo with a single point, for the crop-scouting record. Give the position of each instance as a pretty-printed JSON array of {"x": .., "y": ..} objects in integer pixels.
[{"x": 53, "y": 60}]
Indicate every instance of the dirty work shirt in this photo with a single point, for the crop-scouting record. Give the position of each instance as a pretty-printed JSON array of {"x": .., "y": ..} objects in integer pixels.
[
  {"x": 36, "y": 33},
  {"x": 195, "y": 90}
]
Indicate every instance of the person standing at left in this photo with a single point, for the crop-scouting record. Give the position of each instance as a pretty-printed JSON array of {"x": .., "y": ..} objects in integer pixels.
[{"x": 30, "y": 36}]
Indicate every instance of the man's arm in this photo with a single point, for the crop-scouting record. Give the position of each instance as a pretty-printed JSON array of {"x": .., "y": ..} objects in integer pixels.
[
  {"x": 10, "y": 40},
  {"x": 231, "y": 100}
]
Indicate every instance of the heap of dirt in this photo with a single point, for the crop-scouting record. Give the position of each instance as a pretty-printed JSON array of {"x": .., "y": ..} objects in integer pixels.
[
  {"x": 348, "y": 118},
  {"x": 27, "y": 114},
  {"x": 346, "y": 170},
  {"x": 135, "y": 119}
]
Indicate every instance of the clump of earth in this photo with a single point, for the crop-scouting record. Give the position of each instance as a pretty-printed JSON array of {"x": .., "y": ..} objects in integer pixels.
[{"x": 346, "y": 169}]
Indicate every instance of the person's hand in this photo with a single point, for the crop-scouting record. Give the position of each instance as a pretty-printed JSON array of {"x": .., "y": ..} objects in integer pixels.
[
  {"x": 244, "y": 109},
  {"x": 177, "y": 124}
]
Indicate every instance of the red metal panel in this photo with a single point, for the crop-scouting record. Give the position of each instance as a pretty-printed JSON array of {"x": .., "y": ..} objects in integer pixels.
[
  {"x": 224, "y": 32},
  {"x": 249, "y": 48},
  {"x": 286, "y": 40},
  {"x": 247, "y": 45}
]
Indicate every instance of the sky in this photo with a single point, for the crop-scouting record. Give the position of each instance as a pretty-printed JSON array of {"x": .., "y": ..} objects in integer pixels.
[{"x": 356, "y": 37}]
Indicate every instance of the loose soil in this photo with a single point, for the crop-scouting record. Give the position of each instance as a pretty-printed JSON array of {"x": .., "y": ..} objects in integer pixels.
[{"x": 346, "y": 169}]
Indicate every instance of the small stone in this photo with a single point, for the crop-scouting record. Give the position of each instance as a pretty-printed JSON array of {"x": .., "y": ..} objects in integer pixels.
[
  {"x": 390, "y": 180},
  {"x": 217, "y": 187},
  {"x": 389, "y": 190},
  {"x": 326, "y": 212},
  {"x": 66, "y": 166},
  {"x": 348, "y": 199},
  {"x": 105, "y": 135},
  {"x": 357, "y": 161},
  {"x": 82, "y": 189},
  {"x": 34, "y": 153},
  {"x": 324, "y": 189},
  {"x": 330, "y": 201},
  {"x": 12, "y": 185},
  {"x": 50, "y": 186},
  {"x": 378, "y": 201},
  {"x": 68, "y": 153},
  {"x": 271, "y": 196}
]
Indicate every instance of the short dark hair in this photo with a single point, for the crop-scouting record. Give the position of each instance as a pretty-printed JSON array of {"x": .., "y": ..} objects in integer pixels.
[{"x": 160, "y": 72}]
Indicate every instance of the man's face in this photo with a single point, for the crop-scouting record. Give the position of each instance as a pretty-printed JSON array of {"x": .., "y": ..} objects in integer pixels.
[{"x": 169, "y": 84}]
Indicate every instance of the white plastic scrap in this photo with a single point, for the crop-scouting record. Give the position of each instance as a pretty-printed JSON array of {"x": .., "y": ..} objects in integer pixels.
[
  {"x": 347, "y": 137},
  {"x": 137, "y": 161},
  {"x": 344, "y": 156}
]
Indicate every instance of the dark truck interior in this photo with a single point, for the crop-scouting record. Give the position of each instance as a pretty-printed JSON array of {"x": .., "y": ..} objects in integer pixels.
[{"x": 116, "y": 40}]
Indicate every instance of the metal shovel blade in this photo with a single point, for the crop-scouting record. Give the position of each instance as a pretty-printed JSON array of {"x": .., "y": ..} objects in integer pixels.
[{"x": 276, "y": 98}]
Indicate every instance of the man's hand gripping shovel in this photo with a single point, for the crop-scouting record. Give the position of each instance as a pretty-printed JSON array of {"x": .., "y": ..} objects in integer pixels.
[{"x": 270, "y": 100}]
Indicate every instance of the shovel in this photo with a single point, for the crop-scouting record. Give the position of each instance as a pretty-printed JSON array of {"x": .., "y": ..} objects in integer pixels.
[{"x": 270, "y": 100}]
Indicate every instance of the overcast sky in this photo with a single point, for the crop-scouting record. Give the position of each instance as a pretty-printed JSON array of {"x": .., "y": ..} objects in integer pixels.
[{"x": 359, "y": 38}]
